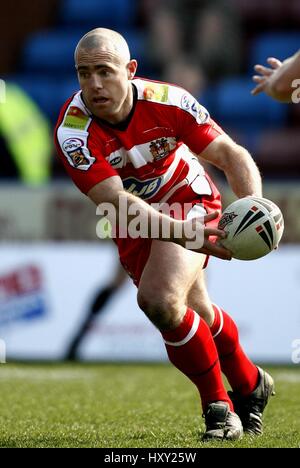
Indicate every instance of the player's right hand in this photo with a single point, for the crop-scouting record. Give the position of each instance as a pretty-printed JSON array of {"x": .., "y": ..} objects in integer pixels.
[{"x": 209, "y": 247}]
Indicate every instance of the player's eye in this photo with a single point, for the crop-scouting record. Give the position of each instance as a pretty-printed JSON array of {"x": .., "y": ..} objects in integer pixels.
[
  {"x": 84, "y": 75},
  {"x": 104, "y": 73}
]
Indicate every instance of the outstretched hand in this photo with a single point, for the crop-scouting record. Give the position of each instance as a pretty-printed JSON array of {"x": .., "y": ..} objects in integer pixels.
[{"x": 264, "y": 77}]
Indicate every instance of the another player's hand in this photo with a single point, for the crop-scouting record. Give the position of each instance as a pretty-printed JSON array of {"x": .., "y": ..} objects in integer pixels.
[
  {"x": 208, "y": 247},
  {"x": 263, "y": 78}
]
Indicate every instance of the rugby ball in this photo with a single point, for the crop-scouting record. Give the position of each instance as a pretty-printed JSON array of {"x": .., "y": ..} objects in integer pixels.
[{"x": 254, "y": 227}]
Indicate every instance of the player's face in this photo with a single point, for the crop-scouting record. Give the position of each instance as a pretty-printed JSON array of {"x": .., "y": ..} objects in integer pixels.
[{"x": 105, "y": 82}]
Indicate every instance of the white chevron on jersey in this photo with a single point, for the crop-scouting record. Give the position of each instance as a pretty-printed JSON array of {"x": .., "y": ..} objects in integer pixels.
[
  {"x": 155, "y": 155},
  {"x": 195, "y": 177},
  {"x": 148, "y": 188},
  {"x": 140, "y": 155},
  {"x": 171, "y": 95}
]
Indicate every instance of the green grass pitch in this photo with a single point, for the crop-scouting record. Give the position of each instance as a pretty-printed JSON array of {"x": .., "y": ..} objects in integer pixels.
[{"x": 125, "y": 405}]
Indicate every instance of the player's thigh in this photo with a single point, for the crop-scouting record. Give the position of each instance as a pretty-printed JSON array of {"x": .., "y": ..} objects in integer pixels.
[
  {"x": 199, "y": 300},
  {"x": 170, "y": 270}
]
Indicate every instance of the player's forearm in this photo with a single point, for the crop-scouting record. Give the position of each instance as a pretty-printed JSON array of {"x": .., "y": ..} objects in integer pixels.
[
  {"x": 133, "y": 214},
  {"x": 242, "y": 173}
]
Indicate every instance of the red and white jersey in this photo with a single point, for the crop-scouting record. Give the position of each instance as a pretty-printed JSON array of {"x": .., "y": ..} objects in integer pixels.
[{"x": 154, "y": 151}]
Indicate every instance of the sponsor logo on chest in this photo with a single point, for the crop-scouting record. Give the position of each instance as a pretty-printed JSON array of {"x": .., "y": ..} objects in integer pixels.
[{"x": 142, "y": 188}]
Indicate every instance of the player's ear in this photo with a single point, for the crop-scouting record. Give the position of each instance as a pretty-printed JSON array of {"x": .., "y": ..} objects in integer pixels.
[{"x": 131, "y": 69}]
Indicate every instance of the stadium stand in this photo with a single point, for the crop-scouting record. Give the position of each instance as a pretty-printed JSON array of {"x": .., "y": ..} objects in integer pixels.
[
  {"x": 46, "y": 68},
  {"x": 236, "y": 106},
  {"x": 19, "y": 19},
  {"x": 276, "y": 154},
  {"x": 46, "y": 90},
  {"x": 53, "y": 51},
  {"x": 245, "y": 118},
  {"x": 258, "y": 16},
  {"x": 279, "y": 44},
  {"x": 50, "y": 51},
  {"x": 113, "y": 14}
]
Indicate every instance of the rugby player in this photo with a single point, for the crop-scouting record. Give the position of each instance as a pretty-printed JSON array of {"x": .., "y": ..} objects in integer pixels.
[{"x": 122, "y": 137}]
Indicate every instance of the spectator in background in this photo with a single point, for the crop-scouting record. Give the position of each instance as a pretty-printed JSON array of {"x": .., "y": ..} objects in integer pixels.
[
  {"x": 277, "y": 80},
  {"x": 25, "y": 141},
  {"x": 217, "y": 41},
  {"x": 187, "y": 73},
  {"x": 205, "y": 29}
]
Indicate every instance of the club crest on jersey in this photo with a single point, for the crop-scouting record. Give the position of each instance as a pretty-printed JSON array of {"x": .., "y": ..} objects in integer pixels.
[
  {"x": 78, "y": 158},
  {"x": 160, "y": 149},
  {"x": 142, "y": 188},
  {"x": 226, "y": 219},
  {"x": 74, "y": 150}
]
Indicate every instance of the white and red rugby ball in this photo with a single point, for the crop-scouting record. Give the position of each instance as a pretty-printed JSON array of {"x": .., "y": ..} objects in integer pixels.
[{"x": 254, "y": 227}]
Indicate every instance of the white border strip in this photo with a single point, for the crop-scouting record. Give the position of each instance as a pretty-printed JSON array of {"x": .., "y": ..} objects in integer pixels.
[
  {"x": 190, "y": 334},
  {"x": 221, "y": 320}
]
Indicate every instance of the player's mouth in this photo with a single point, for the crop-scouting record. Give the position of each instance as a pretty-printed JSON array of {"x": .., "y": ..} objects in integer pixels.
[{"x": 100, "y": 100}]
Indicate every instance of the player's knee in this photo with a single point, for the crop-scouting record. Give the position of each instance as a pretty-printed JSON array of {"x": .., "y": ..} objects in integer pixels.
[
  {"x": 204, "y": 309},
  {"x": 207, "y": 313},
  {"x": 164, "y": 312}
]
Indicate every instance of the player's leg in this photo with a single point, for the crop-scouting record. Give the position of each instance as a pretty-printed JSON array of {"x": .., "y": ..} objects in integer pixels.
[
  {"x": 241, "y": 373},
  {"x": 163, "y": 290},
  {"x": 251, "y": 386},
  {"x": 167, "y": 277}
]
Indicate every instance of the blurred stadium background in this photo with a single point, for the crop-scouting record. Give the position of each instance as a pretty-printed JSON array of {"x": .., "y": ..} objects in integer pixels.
[{"x": 52, "y": 264}]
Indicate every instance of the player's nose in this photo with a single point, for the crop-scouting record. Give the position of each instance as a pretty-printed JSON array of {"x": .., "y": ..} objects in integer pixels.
[{"x": 95, "y": 82}]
